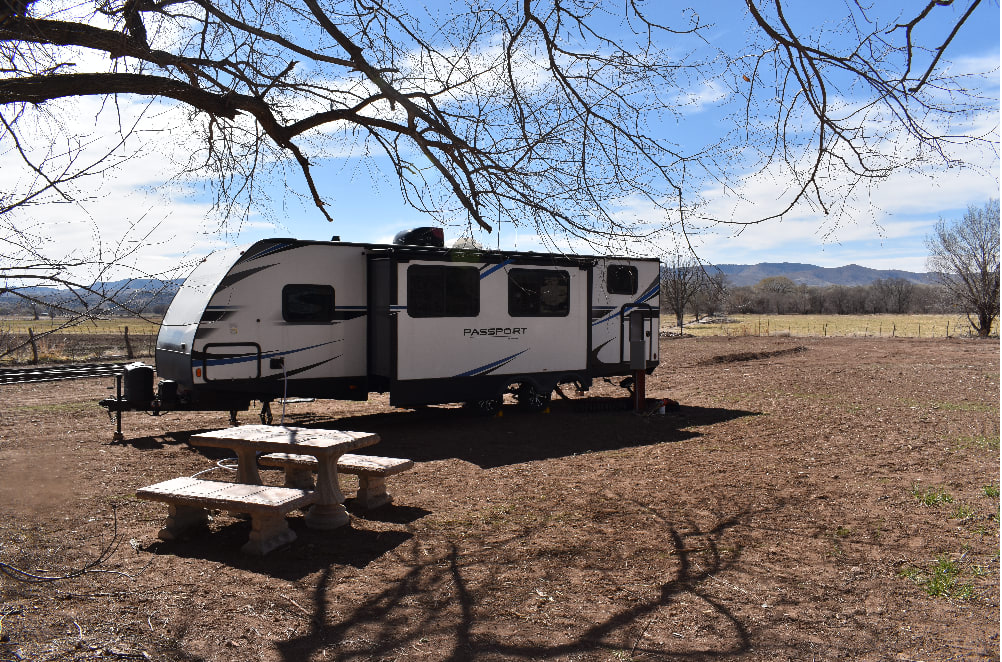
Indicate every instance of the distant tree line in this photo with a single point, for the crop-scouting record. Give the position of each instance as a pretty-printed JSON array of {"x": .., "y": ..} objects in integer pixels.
[
  {"x": 779, "y": 295},
  {"x": 691, "y": 291}
]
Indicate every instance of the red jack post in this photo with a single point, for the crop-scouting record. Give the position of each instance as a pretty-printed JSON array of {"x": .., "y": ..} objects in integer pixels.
[{"x": 639, "y": 391}]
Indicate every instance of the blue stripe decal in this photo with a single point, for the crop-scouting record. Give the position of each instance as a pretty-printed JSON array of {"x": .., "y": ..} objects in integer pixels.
[
  {"x": 649, "y": 294},
  {"x": 268, "y": 250},
  {"x": 645, "y": 297},
  {"x": 253, "y": 357},
  {"x": 606, "y": 319},
  {"x": 485, "y": 274},
  {"x": 491, "y": 367}
]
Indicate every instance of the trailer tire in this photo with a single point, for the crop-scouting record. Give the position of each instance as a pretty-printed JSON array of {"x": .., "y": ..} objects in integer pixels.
[
  {"x": 532, "y": 399},
  {"x": 486, "y": 406}
]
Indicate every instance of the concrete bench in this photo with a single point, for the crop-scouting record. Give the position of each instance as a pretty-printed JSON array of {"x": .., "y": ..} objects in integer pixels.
[
  {"x": 370, "y": 469},
  {"x": 190, "y": 498}
]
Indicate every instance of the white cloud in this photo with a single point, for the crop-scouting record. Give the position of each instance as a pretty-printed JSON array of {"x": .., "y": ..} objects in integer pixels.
[
  {"x": 134, "y": 214},
  {"x": 708, "y": 93}
]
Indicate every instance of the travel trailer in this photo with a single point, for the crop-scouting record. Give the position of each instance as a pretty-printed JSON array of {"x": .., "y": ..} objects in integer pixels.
[{"x": 286, "y": 318}]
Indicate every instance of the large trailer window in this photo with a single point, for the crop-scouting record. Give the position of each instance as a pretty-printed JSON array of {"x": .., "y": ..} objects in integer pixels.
[
  {"x": 621, "y": 279},
  {"x": 443, "y": 291},
  {"x": 308, "y": 304},
  {"x": 538, "y": 293}
]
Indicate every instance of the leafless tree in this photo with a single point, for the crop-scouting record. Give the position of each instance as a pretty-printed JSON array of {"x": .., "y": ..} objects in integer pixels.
[
  {"x": 542, "y": 114},
  {"x": 964, "y": 255},
  {"x": 682, "y": 279},
  {"x": 891, "y": 295},
  {"x": 777, "y": 291},
  {"x": 711, "y": 296}
]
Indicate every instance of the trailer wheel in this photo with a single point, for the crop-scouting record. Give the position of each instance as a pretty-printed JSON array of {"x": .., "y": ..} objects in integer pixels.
[
  {"x": 531, "y": 399},
  {"x": 487, "y": 406}
]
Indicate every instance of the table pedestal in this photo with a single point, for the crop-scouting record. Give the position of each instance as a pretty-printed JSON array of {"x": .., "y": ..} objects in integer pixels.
[{"x": 327, "y": 512}]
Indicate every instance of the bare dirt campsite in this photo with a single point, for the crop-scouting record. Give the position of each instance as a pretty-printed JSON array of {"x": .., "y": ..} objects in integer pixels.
[{"x": 810, "y": 499}]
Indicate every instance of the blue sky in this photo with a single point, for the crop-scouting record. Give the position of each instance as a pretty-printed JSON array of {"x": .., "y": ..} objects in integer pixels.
[
  {"x": 166, "y": 226},
  {"x": 887, "y": 231}
]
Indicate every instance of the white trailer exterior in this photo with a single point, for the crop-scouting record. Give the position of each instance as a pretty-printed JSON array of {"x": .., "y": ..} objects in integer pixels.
[{"x": 428, "y": 325}]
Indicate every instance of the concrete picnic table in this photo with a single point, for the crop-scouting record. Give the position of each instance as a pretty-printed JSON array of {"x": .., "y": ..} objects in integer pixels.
[{"x": 327, "y": 446}]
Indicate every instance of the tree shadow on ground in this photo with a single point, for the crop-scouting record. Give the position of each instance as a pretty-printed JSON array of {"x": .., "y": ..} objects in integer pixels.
[{"x": 439, "y": 602}]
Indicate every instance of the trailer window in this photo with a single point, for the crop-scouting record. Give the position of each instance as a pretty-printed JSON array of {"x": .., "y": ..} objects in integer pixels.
[
  {"x": 441, "y": 291},
  {"x": 538, "y": 293},
  {"x": 308, "y": 304},
  {"x": 621, "y": 279}
]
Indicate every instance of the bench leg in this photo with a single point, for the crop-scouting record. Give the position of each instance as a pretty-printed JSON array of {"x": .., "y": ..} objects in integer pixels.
[
  {"x": 372, "y": 492},
  {"x": 181, "y": 519},
  {"x": 299, "y": 478},
  {"x": 268, "y": 531}
]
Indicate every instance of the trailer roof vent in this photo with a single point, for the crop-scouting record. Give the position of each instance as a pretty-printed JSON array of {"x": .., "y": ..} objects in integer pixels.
[{"x": 421, "y": 237}]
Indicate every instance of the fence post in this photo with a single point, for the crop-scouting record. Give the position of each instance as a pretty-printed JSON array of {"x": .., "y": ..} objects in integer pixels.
[
  {"x": 128, "y": 345},
  {"x": 34, "y": 346}
]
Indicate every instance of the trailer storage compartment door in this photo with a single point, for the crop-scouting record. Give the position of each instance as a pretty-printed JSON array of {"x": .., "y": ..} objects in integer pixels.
[{"x": 225, "y": 361}]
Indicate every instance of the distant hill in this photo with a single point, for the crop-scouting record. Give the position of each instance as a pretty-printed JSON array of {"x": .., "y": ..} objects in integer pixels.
[
  {"x": 148, "y": 294},
  {"x": 814, "y": 276}
]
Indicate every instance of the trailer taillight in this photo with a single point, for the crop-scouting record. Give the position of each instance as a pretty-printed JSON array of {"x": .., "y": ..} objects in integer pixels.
[{"x": 198, "y": 372}]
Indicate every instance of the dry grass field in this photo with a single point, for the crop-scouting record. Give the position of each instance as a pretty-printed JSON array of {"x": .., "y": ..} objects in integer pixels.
[
  {"x": 55, "y": 342},
  {"x": 809, "y": 499},
  {"x": 108, "y": 326},
  {"x": 828, "y": 326}
]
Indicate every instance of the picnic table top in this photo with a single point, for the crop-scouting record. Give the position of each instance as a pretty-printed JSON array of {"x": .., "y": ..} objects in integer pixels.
[{"x": 286, "y": 439}]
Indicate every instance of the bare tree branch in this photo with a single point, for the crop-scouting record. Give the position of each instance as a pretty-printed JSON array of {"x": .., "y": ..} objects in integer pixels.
[{"x": 542, "y": 114}]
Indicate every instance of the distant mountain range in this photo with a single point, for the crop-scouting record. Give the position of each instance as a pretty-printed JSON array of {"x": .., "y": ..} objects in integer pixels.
[
  {"x": 813, "y": 276},
  {"x": 143, "y": 294}
]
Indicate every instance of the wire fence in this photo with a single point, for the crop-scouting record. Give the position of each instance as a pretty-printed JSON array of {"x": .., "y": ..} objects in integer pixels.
[
  {"x": 61, "y": 345},
  {"x": 824, "y": 326}
]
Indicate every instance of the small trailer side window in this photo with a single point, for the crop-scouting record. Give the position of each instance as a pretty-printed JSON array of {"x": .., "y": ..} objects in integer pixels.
[
  {"x": 308, "y": 304},
  {"x": 441, "y": 291},
  {"x": 538, "y": 293},
  {"x": 621, "y": 279}
]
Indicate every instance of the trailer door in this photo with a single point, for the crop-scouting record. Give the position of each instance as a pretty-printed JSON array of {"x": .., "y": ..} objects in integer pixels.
[{"x": 382, "y": 322}]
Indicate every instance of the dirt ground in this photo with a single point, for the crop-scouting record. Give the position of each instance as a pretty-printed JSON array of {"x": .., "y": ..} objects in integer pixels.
[{"x": 812, "y": 499}]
